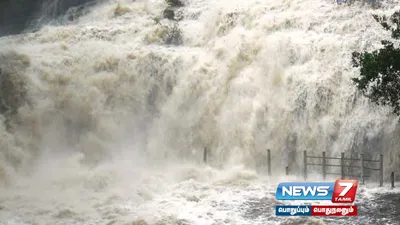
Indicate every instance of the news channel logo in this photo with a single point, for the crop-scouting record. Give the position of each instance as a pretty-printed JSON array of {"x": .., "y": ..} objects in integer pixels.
[{"x": 340, "y": 191}]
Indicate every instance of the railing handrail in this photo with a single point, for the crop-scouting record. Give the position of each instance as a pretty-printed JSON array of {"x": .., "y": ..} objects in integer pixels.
[{"x": 342, "y": 165}]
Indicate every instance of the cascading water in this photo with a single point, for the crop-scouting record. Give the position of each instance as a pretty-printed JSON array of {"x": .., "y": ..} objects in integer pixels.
[{"x": 106, "y": 114}]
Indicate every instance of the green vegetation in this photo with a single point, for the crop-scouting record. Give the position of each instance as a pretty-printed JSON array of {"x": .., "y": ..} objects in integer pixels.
[
  {"x": 172, "y": 35},
  {"x": 386, "y": 23},
  {"x": 380, "y": 70}
]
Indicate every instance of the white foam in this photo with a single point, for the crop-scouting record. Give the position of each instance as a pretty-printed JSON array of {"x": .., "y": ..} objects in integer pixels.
[{"x": 120, "y": 120}]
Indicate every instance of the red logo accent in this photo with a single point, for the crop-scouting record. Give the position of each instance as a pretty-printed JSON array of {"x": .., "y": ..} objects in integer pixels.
[{"x": 344, "y": 191}]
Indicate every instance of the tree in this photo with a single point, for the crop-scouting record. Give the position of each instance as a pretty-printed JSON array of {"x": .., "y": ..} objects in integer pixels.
[{"x": 380, "y": 70}]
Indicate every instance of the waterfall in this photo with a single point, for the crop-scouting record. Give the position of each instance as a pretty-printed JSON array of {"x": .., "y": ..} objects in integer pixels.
[{"x": 103, "y": 95}]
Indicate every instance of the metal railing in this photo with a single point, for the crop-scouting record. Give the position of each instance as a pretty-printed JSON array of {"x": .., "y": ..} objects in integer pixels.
[{"x": 361, "y": 160}]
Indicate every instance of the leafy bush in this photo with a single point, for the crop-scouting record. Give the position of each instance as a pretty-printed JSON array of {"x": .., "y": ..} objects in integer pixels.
[
  {"x": 390, "y": 24},
  {"x": 380, "y": 70},
  {"x": 173, "y": 35}
]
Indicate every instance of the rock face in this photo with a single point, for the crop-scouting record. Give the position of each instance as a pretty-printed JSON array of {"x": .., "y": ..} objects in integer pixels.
[
  {"x": 13, "y": 91},
  {"x": 169, "y": 14},
  {"x": 175, "y": 3},
  {"x": 18, "y": 15}
]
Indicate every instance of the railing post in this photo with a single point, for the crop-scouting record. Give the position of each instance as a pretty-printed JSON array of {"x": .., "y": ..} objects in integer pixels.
[
  {"x": 342, "y": 165},
  {"x": 287, "y": 171},
  {"x": 381, "y": 170},
  {"x": 269, "y": 161},
  {"x": 305, "y": 165},
  {"x": 205, "y": 155},
  {"x": 323, "y": 166},
  {"x": 392, "y": 179},
  {"x": 362, "y": 167}
]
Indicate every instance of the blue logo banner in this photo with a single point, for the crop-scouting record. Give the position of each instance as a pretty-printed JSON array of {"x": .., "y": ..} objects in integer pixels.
[
  {"x": 305, "y": 191},
  {"x": 293, "y": 210}
]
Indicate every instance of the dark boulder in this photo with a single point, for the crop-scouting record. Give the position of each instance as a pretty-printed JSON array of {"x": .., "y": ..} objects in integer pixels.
[
  {"x": 169, "y": 14},
  {"x": 13, "y": 82},
  {"x": 16, "y": 16},
  {"x": 175, "y": 3}
]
